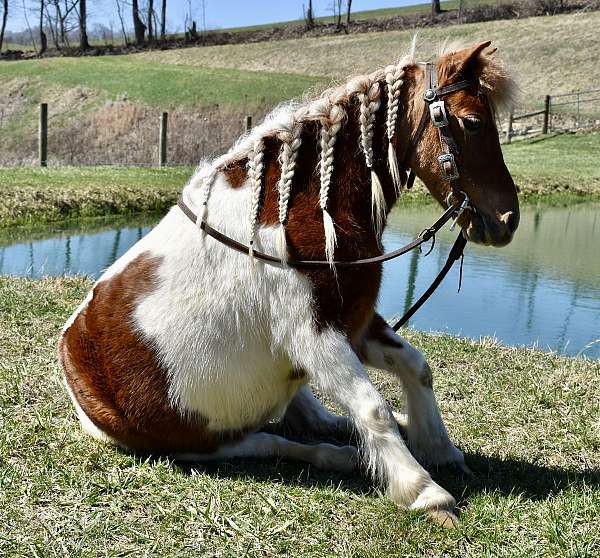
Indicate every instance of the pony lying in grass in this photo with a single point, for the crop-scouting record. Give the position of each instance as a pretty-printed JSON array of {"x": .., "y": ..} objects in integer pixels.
[{"x": 189, "y": 348}]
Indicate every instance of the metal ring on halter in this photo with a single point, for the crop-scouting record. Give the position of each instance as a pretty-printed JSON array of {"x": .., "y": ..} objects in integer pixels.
[{"x": 465, "y": 204}]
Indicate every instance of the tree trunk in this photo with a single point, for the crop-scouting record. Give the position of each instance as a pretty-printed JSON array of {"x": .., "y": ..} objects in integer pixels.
[
  {"x": 150, "y": 20},
  {"x": 138, "y": 25},
  {"x": 43, "y": 38},
  {"x": 83, "y": 38},
  {"x": 4, "y": 19},
  {"x": 310, "y": 16},
  {"x": 348, "y": 11},
  {"x": 163, "y": 19},
  {"x": 435, "y": 8}
]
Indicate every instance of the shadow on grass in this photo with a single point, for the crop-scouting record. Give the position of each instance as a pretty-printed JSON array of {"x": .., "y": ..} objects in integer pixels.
[
  {"x": 491, "y": 474},
  {"x": 512, "y": 476}
]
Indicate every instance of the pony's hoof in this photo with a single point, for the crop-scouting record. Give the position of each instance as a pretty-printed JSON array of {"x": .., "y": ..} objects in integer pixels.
[{"x": 445, "y": 518}]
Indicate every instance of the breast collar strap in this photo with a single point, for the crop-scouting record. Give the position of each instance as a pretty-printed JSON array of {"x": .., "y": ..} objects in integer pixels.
[{"x": 434, "y": 107}]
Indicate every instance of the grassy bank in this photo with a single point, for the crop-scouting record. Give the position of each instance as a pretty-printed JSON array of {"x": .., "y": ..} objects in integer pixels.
[
  {"x": 526, "y": 420},
  {"x": 31, "y": 196},
  {"x": 555, "y": 169}
]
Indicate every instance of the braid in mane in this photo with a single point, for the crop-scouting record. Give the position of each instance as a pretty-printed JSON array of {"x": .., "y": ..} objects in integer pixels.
[
  {"x": 369, "y": 105},
  {"x": 204, "y": 180},
  {"x": 291, "y": 141},
  {"x": 331, "y": 122},
  {"x": 255, "y": 172},
  {"x": 394, "y": 78}
]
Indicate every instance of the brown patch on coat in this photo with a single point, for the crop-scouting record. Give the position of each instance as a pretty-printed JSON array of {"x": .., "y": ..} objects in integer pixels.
[
  {"x": 236, "y": 173},
  {"x": 115, "y": 374},
  {"x": 345, "y": 300}
]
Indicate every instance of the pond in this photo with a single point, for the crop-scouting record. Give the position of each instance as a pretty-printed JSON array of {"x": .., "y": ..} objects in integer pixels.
[{"x": 543, "y": 289}]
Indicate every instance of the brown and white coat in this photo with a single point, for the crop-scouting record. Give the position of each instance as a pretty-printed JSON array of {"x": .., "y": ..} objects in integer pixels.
[{"x": 188, "y": 348}]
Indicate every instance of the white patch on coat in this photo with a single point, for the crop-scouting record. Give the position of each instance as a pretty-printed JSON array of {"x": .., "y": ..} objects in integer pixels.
[{"x": 221, "y": 332}]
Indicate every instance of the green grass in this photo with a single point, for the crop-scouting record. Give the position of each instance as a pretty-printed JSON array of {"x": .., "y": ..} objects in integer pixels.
[
  {"x": 527, "y": 421},
  {"x": 33, "y": 195},
  {"x": 556, "y": 166},
  {"x": 161, "y": 84},
  {"x": 557, "y": 169}
]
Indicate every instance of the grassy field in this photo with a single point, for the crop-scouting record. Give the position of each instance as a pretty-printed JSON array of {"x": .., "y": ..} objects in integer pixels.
[
  {"x": 526, "y": 420},
  {"x": 555, "y": 169},
  {"x": 541, "y": 51},
  {"x": 97, "y": 94}
]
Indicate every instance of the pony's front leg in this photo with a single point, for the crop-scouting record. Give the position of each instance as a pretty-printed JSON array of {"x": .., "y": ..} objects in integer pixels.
[
  {"x": 427, "y": 436},
  {"x": 337, "y": 371}
]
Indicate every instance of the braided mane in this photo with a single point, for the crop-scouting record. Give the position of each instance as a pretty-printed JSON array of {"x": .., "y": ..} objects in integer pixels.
[{"x": 329, "y": 111}]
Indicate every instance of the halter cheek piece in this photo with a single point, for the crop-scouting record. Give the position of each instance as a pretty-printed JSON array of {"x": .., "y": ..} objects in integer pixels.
[{"x": 435, "y": 108}]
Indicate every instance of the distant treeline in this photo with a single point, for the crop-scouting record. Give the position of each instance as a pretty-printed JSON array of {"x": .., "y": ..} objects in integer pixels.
[{"x": 60, "y": 27}]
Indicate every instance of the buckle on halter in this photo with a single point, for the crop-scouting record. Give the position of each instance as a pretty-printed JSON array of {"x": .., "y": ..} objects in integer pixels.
[
  {"x": 430, "y": 95},
  {"x": 438, "y": 114},
  {"x": 448, "y": 166}
]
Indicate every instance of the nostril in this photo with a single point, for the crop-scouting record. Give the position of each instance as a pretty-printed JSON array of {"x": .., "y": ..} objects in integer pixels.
[{"x": 511, "y": 220}]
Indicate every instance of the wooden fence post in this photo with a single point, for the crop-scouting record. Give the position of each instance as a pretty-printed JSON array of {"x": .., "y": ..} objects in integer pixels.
[
  {"x": 43, "y": 135},
  {"x": 248, "y": 122},
  {"x": 546, "y": 114},
  {"x": 162, "y": 140},
  {"x": 509, "y": 127}
]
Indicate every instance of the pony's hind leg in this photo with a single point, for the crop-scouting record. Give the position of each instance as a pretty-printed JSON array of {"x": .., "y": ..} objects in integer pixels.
[
  {"x": 425, "y": 430},
  {"x": 265, "y": 445},
  {"x": 306, "y": 416}
]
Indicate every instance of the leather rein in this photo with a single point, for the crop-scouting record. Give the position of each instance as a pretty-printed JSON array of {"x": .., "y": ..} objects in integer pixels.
[{"x": 434, "y": 108}]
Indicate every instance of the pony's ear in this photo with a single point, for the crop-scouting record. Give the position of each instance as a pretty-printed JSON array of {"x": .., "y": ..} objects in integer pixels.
[{"x": 467, "y": 59}]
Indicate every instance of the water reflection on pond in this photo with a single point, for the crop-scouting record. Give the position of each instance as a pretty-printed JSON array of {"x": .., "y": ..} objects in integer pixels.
[{"x": 544, "y": 288}]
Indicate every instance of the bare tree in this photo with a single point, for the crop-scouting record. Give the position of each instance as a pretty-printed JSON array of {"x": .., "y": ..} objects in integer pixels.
[
  {"x": 435, "y": 8},
  {"x": 348, "y": 11},
  {"x": 28, "y": 26},
  {"x": 138, "y": 25},
  {"x": 336, "y": 8},
  {"x": 43, "y": 37},
  {"x": 163, "y": 18},
  {"x": 120, "y": 14},
  {"x": 150, "y": 20},
  {"x": 83, "y": 38},
  {"x": 309, "y": 16},
  {"x": 4, "y": 20}
]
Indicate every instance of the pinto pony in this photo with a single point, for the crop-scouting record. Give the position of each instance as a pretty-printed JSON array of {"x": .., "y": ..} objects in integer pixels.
[{"x": 189, "y": 348}]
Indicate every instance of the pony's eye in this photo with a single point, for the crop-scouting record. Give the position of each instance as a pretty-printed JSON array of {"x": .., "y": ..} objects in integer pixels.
[{"x": 472, "y": 124}]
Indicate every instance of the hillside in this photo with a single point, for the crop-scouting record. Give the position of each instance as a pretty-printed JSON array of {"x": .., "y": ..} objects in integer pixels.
[{"x": 94, "y": 101}]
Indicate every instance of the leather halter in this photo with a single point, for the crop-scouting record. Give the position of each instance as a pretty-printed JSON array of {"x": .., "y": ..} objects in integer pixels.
[{"x": 434, "y": 107}]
